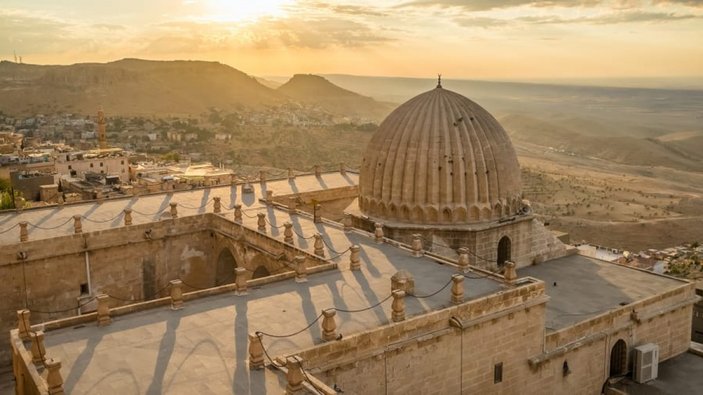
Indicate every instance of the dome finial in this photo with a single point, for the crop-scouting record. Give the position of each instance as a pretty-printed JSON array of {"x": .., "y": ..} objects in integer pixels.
[{"x": 439, "y": 80}]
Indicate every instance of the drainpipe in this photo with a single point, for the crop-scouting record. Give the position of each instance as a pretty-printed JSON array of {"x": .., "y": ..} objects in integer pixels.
[{"x": 87, "y": 273}]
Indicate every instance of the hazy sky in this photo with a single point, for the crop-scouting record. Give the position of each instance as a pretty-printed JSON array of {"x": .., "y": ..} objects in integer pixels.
[{"x": 483, "y": 39}]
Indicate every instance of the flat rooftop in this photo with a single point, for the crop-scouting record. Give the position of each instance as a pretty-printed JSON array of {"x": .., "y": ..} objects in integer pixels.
[
  {"x": 203, "y": 347},
  {"x": 57, "y": 220},
  {"x": 580, "y": 287}
]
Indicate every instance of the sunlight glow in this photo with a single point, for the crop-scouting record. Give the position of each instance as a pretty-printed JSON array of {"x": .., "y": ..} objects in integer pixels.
[{"x": 244, "y": 10}]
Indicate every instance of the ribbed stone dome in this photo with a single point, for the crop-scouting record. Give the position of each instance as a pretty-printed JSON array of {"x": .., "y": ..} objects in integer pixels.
[{"x": 439, "y": 159}]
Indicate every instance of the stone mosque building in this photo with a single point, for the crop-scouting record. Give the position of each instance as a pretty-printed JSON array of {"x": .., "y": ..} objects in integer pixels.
[{"x": 439, "y": 280}]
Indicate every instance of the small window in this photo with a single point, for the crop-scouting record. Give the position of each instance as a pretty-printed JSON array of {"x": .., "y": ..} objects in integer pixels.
[
  {"x": 498, "y": 373},
  {"x": 69, "y": 167},
  {"x": 101, "y": 164},
  {"x": 122, "y": 162},
  {"x": 84, "y": 289},
  {"x": 91, "y": 165}
]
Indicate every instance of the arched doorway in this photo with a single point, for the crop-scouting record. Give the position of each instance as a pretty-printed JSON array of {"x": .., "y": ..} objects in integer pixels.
[
  {"x": 225, "y": 268},
  {"x": 503, "y": 251},
  {"x": 618, "y": 359},
  {"x": 261, "y": 271}
]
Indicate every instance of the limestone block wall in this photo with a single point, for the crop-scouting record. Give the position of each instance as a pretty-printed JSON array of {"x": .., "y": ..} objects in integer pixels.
[
  {"x": 530, "y": 241},
  {"x": 424, "y": 354}
]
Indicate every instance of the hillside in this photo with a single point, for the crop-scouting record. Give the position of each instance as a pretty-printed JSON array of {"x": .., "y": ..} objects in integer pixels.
[
  {"x": 130, "y": 87},
  {"x": 572, "y": 137},
  {"x": 318, "y": 91}
]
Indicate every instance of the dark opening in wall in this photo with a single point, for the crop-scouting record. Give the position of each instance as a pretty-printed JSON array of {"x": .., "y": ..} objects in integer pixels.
[{"x": 498, "y": 372}]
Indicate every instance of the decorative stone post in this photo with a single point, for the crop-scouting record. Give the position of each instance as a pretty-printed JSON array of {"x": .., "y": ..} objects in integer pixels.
[
  {"x": 176, "y": 294},
  {"x": 342, "y": 169},
  {"x": 378, "y": 233},
  {"x": 301, "y": 272},
  {"x": 127, "y": 217},
  {"x": 38, "y": 351},
  {"x": 398, "y": 306},
  {"x": 347, "y": 222},
  {"x": 463, "y": 260},
  {"x": 238, "y": 213},
  {"x": 53, "y": 377},
  {"x": 317, "y": 217},
  {"x": 256, "y": 352},
  {"x": 23, "y": 325},
  {"x": 457, "y": 289},
  {"x": 269, "y": 197},
  {"x": 292, "y": 205},
  {"x": 261, "y": 222},
  {"x": 240, "y": 280},
  {"x": 318, "y": 172},
  {"x": 510, "y": 274},
  {"x": 24, "y": 234},
  {"x": 77, "y": 226},
  {"x": 329, "y": 326},
  {"x": 354, "y": 260},
  {"x": 319, "y": 245},
  {"x": 291, "y": 174},
  {"x": 417, "y": 245},
  {"x": 174, "y": 209},
  {"x": 262, "y": 177},
  {"x": 288, "y": 233},
  {"x": 217, "y": 206},
  {"x": 295, "y": 375},
  {"x": 103, "y": 310}
]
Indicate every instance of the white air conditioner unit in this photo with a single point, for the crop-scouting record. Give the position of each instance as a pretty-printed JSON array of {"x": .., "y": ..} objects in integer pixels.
[{"x": 646, "y": 362}]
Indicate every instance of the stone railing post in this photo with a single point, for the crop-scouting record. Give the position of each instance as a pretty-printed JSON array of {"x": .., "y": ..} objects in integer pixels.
[
  {"x": 256, "y": 352},
  {"x": 317, "y": 214},
  {"x": 318, "y": 172},
  {"x": 217, "y": 205},
  {"x": 103, "y": 310},
  {"x": 240, "y": 280},
  {"x": 77, "y": 226},
  {"x": 319, "y": 245},
  {"x": 463, "y": 260},
  {"x": 342, "y": 169},
  {"x": 24, "y": 234},
  {"x": 354, "y": 259},
  {"x": 295, "y": 375},
  {"x": 261, "y": 223},
  {"x": 176, "y": 294},
  {"x": 269, "y": 197},
  {"x": 378, "y": 233},
  {"x": 329, "y": 325},
  {"x": 457, "y": 289},
  {"x": 292, "y": 205},
  {"x": 262, "y": 177},
  {"x": 288, "y": 233},
  {"x": 23, "y": 324},
  {"x": 510, "y": 274},
  {"x": 38, "y": 351},
  {"x": 398, "y": 306},
  {"x": 417, "y": 245},
  {"x": 347, "y": 222},
  {"x": 291, "y": 174},
  {"x": 54, "y": 381},
  {"x": 238, "y": 213},
  {"x": 301, "y": 272},
  {"x": 174, "y": 209},
  {"x": 127, "y": 217}
]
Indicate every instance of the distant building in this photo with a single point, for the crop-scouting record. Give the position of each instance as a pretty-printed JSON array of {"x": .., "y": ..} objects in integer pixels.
[{"x": 112, "y": 161}]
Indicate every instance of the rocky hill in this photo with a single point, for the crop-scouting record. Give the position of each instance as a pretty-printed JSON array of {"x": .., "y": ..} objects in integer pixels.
[
  {"x": 315, "y": 90},
  {"x": 142, "y": 87}
]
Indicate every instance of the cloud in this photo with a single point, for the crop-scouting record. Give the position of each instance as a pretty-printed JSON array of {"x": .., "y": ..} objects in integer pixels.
[
  {"x": 604, "y": 19},
  {"x": 108, "y": 27},
  {"x": 347, "y": 9},
  {"x": 484, "y": 5},
  {"x": 315, "y": 32},
  {"x": 29, "y": 34}
]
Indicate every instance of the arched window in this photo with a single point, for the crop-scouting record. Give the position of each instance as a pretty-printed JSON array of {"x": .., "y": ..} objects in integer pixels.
[
  {"x": 225, "y": 267},
  {"x": 503, "y": 251},
  {"x": 618, "y": 359},
  {"x": 261, "y": 271}
]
